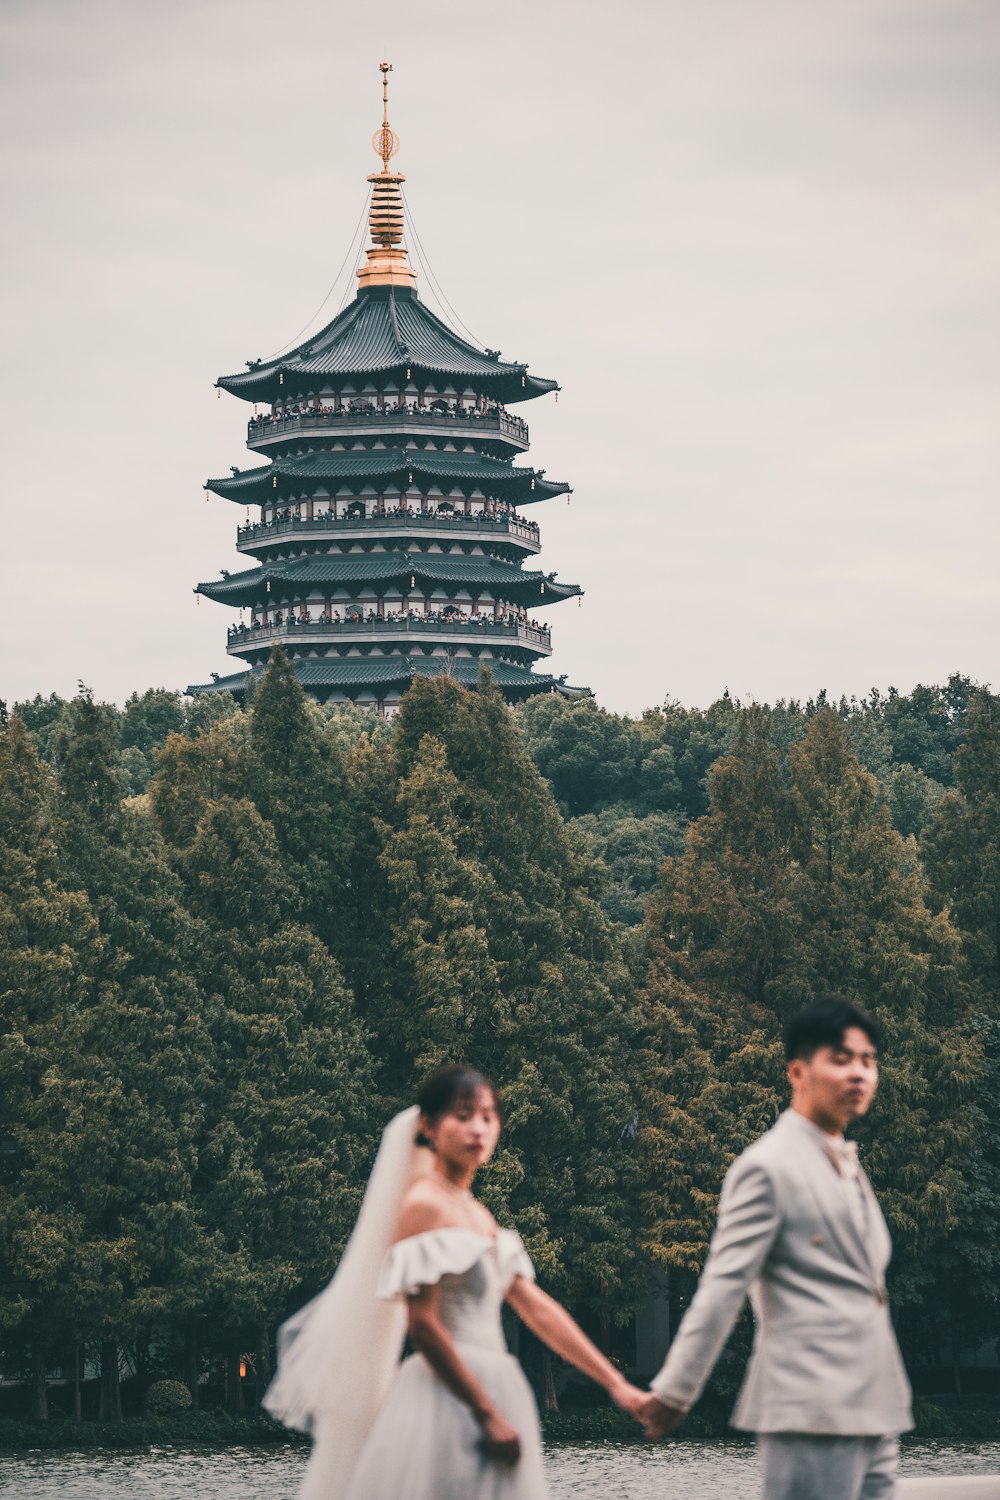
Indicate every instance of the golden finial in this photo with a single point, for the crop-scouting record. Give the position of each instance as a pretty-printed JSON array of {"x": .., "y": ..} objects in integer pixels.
[
  {"x": 385, "y": 140},
  {"x": 387, "y": 261}
]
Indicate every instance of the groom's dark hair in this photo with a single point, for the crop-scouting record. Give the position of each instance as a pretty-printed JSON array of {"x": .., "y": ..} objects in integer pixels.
[{"x": 823, "y": 1023}]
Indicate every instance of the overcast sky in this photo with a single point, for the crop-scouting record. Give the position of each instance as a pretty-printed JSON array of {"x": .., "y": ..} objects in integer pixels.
[{"x": 756, "y": 241}]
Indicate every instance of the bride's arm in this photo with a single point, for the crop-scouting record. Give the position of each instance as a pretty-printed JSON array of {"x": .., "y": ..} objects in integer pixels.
[
  {"x": 550, "y": 1322},
  {"x": 422, "y": 1212},
  {"x": 429, "y": 1335}
]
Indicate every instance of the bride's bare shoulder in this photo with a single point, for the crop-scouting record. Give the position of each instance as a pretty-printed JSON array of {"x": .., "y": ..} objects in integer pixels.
[{"x": 424, "y": 1207}]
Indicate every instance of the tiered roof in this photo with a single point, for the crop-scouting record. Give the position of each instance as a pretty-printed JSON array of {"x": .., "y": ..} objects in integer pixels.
[
  {"x": 399, "y": 466},
  {"x": 352, "y": 569},
  {"x": 385, "y": 672},
  {"x": 388, "y": 333}
]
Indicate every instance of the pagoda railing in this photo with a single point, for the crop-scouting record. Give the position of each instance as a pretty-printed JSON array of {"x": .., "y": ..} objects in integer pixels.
[
  {"x": 446, "y": 522},
  {"x": 266, "y": 428},
  {"x": 243, "y": 638}
]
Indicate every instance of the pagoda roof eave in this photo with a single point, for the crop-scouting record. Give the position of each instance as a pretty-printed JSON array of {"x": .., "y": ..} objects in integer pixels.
[
  {"x": 386, "y": 331},
  {"x": 235, "y": 683},
  {"x": 343, "y": 570},
  {"x": 390, "y": 671},
  {"x": 513, "y": 385},
  {"x": 399, "y": 464}
]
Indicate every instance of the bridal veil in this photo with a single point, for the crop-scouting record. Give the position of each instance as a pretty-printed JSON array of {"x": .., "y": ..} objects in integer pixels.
[{"x": 337, "y": 1355}]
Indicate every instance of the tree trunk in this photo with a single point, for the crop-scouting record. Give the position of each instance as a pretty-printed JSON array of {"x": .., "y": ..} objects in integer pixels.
[
  {"x": 77, "y": 1392},
  {"x": 956, "y": 1354},
  {"x": 191, "y": 1358},
  {"x": 110, "y": 1409},
  {"x": 40, "y": 1400},
  {"x": 263, "y": 1365},
  {"x": 550, "y": 1401}
]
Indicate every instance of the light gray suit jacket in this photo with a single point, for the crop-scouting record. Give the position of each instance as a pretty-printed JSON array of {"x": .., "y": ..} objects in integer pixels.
[{"x": 825, "y": 1358}]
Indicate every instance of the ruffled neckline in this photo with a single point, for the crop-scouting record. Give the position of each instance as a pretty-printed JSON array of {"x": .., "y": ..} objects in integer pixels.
[{"x": 422, "y": 1259}]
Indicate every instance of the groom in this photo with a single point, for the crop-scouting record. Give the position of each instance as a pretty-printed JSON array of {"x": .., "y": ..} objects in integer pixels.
[{"x": 801, "y": 1232}]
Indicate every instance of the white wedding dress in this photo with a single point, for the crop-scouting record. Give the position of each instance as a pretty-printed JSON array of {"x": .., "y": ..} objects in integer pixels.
[{"x": 425, "y": 1443}]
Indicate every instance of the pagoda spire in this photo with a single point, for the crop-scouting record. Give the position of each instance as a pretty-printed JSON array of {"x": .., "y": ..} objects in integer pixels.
[{"x": 387, "y": 261}]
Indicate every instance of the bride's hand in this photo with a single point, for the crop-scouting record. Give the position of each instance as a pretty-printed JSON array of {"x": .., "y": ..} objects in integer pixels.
[
  {"x": 500, "y": 1440},
  {"x": 628, "y": 1396}
]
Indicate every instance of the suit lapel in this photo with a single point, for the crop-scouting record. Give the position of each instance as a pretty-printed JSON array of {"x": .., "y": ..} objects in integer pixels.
[{"x": 823, "y": 1183}]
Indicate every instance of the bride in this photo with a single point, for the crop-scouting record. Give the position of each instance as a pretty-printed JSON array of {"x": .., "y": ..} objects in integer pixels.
[{"x": 456, "y": 1420}]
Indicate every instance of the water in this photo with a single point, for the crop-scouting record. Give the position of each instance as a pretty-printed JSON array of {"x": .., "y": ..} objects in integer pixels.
[{"x": 577, "y": 1471}]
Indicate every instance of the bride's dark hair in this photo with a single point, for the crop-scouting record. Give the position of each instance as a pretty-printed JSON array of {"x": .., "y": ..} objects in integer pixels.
[{"x": 450, "y": 1087}]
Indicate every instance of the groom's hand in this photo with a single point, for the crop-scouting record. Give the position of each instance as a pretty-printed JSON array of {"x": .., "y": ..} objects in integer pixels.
[{"x": 658, "y": 1417}]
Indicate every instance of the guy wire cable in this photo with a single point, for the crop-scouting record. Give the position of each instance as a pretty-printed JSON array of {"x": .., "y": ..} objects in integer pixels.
[
  {"x": 425, "y": 260},
  {"x": 333, "y": 285}
]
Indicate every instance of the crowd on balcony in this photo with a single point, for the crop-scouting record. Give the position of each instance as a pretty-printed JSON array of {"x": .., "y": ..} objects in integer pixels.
[
  {"x": 492, "y": 512},
  {"x": 437, "y": 406},
  {"x": 506, "y": 617}
]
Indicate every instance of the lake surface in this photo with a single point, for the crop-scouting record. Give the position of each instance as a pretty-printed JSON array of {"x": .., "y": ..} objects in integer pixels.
[{"x": 577, "y": 1471}]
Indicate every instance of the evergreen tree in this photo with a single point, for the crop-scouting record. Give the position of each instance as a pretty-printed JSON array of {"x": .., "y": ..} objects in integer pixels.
[
  {"x": 296, "y": 778},
  {"x": 961, "y": 849},
  {"x": 286, "y": 1129},
  {"x": 589, "y": 756},
  {"x": 49, "y": 948},
  {"x": 192, "y": 771},
  {"x": 632, "y": 850},
  {"x": 141, "y": 1045},
  {"x": 794, "y": 884},
  {"x": 506, "y": 958}
]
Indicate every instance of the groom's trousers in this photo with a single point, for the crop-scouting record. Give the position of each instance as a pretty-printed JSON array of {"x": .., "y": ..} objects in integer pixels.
[{"x": 798, "y": 1466}]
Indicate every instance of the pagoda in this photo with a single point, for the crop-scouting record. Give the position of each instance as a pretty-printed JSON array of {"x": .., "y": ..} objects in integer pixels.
[{"x": 388, "y": 536}]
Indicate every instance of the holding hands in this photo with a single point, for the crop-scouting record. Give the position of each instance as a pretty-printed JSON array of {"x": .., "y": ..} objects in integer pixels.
[
  {"x": 657, "y": 1418},
  {"x": 654, "y": 1417}
]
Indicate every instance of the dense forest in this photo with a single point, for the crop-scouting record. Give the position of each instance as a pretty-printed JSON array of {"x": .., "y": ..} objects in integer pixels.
[{"x": 233, "y": 939}]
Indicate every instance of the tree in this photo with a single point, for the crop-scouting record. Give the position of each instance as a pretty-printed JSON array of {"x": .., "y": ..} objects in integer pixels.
[
  {"x": 796, "y": 883},
  {"x": 286, "y": 1125},
  {"x": 504, "y": 957},
  {"x": 140, "y": 1047},
  {"x": 48, "y": 943},
  {"x": 926, "y": 726},
  {"x": 590, "y": 757},
  {"x": 722, "y": 930},
  {"x": 149, "y": 718},
  {"x": 192, "y": 771},
  {"x": 295, "y": 776},
  {"x": 961, "y": 847},
  {"x": 632, "y": 849},
  {"x": 695, "y": 739},
  {"x": 961, "y": 850}
]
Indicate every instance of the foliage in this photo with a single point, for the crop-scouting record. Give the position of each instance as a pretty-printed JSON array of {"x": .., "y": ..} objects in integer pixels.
[
  {"x": 233, "y": 938},
  {"x": 796, "y": 883},
  {"x": 495, "y": 931},
  {"x": 166, "y": 1396},
  {"x": 632, "y": 850}
]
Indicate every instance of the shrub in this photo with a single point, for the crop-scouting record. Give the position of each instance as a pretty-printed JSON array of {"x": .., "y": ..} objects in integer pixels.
[{"x": 166, "y": 1396}]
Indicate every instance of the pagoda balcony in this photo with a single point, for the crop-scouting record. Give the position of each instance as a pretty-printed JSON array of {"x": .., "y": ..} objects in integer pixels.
[
  {"x": 263, "y": 431},
  {"x": 437, "y": 526},
  {"x": 525, "y": 637}
]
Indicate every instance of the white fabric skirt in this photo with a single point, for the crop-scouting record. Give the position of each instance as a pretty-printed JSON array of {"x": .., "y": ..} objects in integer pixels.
[{"x": 426, "y": 1444}]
